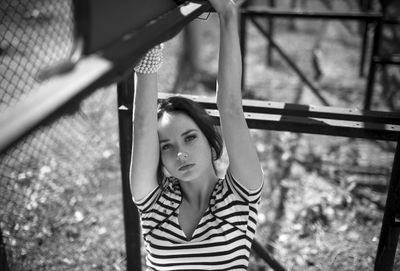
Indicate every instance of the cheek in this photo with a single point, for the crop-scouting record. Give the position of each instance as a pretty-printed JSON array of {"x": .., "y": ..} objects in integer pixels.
[
  {"x": 205, "y": 151},
  {"x": 166, "y": 158}
]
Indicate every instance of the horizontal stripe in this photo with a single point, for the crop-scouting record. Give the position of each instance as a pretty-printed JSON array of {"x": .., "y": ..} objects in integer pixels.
[
  {"x": 206, "y": 263},
  {"x": 201, "y": 245},
  {"x": 212, "y": 258}
]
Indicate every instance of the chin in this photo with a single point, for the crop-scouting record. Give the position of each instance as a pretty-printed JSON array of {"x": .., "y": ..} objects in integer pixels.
[{"x": 188, "y": 176}]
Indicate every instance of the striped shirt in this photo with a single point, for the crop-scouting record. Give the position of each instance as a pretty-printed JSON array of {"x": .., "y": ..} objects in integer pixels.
[{"x": 222, "y": 239}]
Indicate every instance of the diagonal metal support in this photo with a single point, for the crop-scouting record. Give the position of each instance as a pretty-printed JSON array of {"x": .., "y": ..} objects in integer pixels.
[
  {"x": 293, "y": 65},
  {"x": 263, "y": 253},
  {"x": 372, "y": 66}
]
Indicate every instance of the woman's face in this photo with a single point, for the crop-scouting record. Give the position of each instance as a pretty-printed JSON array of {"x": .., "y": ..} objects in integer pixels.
[{"x": 185, "y": 151}]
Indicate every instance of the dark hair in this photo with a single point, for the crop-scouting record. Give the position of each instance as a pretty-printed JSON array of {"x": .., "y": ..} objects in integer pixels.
[{"x": 197, "y": 113}]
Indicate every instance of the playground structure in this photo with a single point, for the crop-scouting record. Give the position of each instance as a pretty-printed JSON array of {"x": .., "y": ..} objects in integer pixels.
[
  {"x": 373, "y": 22},
  {"x": 121, "y": 51}
]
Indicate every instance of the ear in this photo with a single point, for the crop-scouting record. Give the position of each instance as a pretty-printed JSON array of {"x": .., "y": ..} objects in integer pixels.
[{"x": 213, "y": 154}]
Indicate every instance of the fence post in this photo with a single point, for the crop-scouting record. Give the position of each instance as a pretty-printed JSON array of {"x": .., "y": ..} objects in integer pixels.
[{"x": 125, "y": 89}]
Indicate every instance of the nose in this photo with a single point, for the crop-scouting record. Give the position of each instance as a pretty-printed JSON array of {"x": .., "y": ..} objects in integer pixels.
[{"x": 182, "y": 156}]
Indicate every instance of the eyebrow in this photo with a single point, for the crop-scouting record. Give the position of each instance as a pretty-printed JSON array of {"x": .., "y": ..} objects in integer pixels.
[{"x": 183, "y": 134}]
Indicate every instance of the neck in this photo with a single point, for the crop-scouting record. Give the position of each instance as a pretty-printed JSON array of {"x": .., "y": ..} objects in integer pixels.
[{"x": 197, "y": 192}]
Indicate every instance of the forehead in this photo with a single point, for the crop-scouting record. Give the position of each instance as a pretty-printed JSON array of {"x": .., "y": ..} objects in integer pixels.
[{"x": 171, "y": 124}]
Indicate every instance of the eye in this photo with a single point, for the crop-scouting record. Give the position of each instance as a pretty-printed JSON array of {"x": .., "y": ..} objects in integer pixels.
[
  {"x": 165, "y": 147},
  {"x": 190, "y": 138}
]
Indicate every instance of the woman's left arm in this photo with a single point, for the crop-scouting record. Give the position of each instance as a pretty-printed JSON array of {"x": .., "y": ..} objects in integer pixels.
[{"x": 243, "y": 159}]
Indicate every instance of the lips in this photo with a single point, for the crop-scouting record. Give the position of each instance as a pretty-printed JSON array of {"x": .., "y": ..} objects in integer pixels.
[{"x": 186, "y": 167}]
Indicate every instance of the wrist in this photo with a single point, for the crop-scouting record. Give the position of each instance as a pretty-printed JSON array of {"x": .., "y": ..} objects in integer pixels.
[
  {"x": 230, "y": 14},
  {"x": 151, "y": 61}
]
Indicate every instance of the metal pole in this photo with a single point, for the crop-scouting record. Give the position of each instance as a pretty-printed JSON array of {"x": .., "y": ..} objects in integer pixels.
[
  {"x": 305, "y": 14},
  {"x": 125, "y": 91},
  {"x": 365, "y": 6},
  {"x": 364, "y": 44},
  {"x": 271, "y": 31},
  {"x": 390, "y": 231},
  {"x": 263, "y": 253},
  {"x": 372, "y": 66}
]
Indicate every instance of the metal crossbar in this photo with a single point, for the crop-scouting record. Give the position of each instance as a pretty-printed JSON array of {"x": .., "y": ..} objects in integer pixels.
[
  {"x": 304, "y": 14},
  {"x": 335, "y": 121}
]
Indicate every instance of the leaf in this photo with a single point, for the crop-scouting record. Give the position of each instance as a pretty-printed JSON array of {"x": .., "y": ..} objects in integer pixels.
[{"x": 78, "y": 216}]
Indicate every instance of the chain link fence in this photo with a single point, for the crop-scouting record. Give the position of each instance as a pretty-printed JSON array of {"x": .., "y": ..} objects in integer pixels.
[{"x": 45, "y": 179}]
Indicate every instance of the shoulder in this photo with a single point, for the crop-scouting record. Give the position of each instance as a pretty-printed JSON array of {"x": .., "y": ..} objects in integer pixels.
[
  {"x": 159, "y": 197},
  {"x": 245, "y": 194}
]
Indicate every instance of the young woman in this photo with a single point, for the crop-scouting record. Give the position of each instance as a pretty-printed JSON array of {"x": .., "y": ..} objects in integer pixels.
[{"x": 192, "y": 219}]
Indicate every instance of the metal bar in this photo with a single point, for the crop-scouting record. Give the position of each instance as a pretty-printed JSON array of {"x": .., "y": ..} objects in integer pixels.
[
  {"x": 299, "y": 110},
  {"x": 271, "y": 30},
  {"x": 263, "y": 253},
  {"x": 364, "y": 45},
  {"x": 57, "y": 96},
  {"x": 304, "y": 14},
  {"x": 365, "y": 5},
  {"x": 66, "y": 90},
  {"x": 102, "y": 22},
  {"x": 125, "y": 91},
  {"x": 390, "y": 231},
  {"x": 392, "y": 21},
  {"x": 390, "y": 60},
  {"x": 317, "y": 126},
  {"x": 290, "y": 62},
  {"x": 372, "y": 66}
]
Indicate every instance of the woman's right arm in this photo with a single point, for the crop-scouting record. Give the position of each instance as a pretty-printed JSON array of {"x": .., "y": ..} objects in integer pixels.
[{"x": 145, "y": 144}]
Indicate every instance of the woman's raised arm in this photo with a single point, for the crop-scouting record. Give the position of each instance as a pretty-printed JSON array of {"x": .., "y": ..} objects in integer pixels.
[
  {"x": 145, "y": 145},
  {"x": 243, "y": 159}
]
